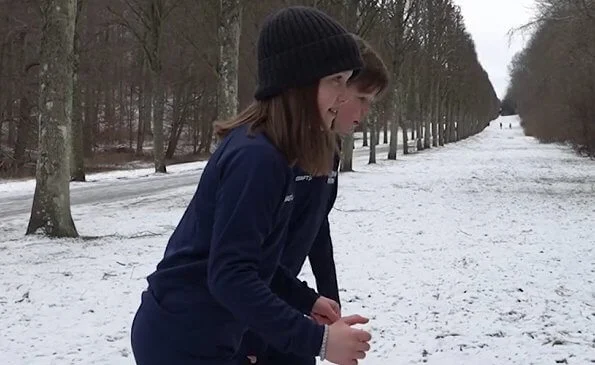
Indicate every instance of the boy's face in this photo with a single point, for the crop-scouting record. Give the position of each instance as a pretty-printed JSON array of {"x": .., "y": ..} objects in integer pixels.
[{"x": 353, "y": 111}]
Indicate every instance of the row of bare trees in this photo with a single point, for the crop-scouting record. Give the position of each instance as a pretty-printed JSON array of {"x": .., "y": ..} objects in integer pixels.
[
  {"x": 440, "y": 92},
  {"x": 553, "y": 79},
  {"x": 150, "y": 76}
]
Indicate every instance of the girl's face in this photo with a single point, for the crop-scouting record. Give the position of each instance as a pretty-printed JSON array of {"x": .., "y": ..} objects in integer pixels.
[{"x": 331, "y": 94}]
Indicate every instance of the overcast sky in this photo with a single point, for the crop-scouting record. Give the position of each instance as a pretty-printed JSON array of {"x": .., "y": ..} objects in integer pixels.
[{"x": 489, "y": 21}]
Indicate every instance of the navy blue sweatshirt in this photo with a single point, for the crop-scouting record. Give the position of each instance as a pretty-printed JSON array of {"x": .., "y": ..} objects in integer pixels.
[
  {"x": 309, "y": 232},
  {"x": 213, "y": 282},
  {"x": 308, "y": 235}
]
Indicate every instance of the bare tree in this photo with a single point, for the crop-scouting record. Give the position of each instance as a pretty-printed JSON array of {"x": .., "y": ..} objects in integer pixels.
[
  {"x": 350, "y": 18},
  {"x": 230, "y": 15},
  {"x": 51, "y": 201},
  {"x": 373, "y": 123},
  {"x": 404, "y": 16},
  {"x": 148, "y": 30}
]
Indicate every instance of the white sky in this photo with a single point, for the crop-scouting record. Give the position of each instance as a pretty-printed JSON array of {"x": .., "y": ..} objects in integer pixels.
[{"x": 489, "y": 21}]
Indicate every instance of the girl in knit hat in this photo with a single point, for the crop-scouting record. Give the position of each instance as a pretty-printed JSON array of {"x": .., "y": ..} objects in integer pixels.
[
  {"x": 213, "y": 282},
  {"x": 309, "y": 230}
]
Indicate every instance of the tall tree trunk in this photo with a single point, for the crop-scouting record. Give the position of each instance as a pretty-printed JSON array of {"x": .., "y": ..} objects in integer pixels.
[
  {"x": 206, "y": 135},
  {"x": 145, "y": 100},
  {"x": 77, "y": 162},
  {"x": 394, "y": 124},
  {"x": 373, "y": 124},
  {"x": 209, "y": 138},
  {"x": 451, "y": 123},
  {"x": 455, "y": 120},
  {"x": 447, "y": 122},
  {"x": 90, "y": 120},
  {"x": 404, "y": 133},
  {"x": 4, "y": 94},
  {"x": 434, "y": 132},
  {"x": 23, "y": 126},
  {"x": 51, "y": 200},
  {"x": 109, "y": 120},
  {"x": 420, "y": 145},
  {"x": 158, "y": 115},
  {"x": 195, "y": 128},
  {"x": 347, "y": 153},
  {"x": 428, "y": 122},
  {"x": 121, "y": 102},
  {"x": 180, "y": 110},
  {"x": 172, "y": 139},
  {"x": 443, "y": 115},
  {"x": 420, "y": 122},
  {"x": 365, "y": 126},
  {"x": 350, "y": 12},
  {"x": 435, "y": 115},
  {"x": 441, "y": 120},
  {"x": 23, "y": 129},
  {"x": 130, "y": 116},
  {"x": 6, "y": 115},
  {"x": 228, "y": 33},
  {"x": 11, "y": 90}
]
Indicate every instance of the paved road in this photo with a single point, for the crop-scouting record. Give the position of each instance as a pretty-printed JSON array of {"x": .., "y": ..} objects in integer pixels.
[{"x": 109, "y": 191}]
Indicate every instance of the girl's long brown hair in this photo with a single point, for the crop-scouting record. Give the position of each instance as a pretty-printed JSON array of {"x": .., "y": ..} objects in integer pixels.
[{"x": 293, "y": 124}]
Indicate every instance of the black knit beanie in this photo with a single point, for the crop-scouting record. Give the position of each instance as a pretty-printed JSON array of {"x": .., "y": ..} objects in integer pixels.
[{"x": 299, "y": 45}]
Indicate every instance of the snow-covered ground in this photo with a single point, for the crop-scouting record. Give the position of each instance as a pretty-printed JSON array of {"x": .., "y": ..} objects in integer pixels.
[{"x": 481, "y": 252}]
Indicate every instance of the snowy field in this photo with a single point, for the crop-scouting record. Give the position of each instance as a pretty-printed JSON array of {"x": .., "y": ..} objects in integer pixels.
[{"x": 481, "y": 252}]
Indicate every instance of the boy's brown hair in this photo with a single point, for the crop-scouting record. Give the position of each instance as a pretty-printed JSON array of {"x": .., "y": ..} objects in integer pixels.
[
  {"x": 373, "y": 77},
  {"x": 292, "y": 122}
]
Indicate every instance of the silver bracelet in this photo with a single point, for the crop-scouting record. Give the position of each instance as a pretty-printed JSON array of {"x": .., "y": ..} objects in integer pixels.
[{"x": 324, "y": 343}]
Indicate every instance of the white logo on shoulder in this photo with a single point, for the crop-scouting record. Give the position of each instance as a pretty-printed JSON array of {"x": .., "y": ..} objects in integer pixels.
[
  {"x": 288, "y": 198},
  {"x": 332, "y": 176},
  {"x": 303, "y": 178}
]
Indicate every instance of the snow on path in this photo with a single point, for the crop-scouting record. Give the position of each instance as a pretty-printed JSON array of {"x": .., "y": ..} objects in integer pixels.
[{"x": 481, "y": 252}]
